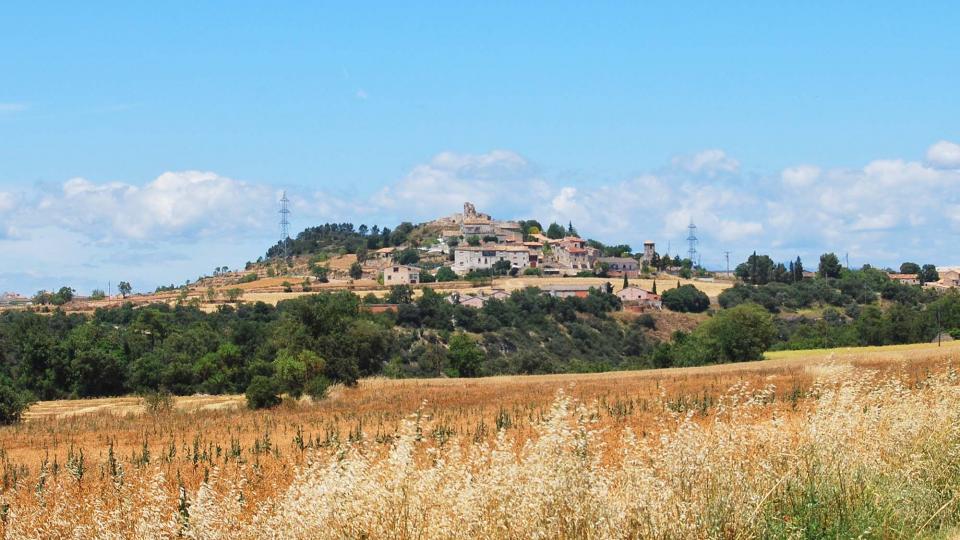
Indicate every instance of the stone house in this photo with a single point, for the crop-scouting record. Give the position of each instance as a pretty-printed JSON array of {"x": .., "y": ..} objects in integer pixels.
[
  {"x": 906, "y": 279},
  {"x": 621, "y": 266},
  {"x": 399, "y": 274},
  {"x": 566, "y": 291},
  {"x": 636, "y": 296},
  {"x": 950, "y": 277}
]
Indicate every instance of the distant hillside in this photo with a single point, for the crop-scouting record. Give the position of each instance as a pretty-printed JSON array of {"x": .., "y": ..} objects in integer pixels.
[{"x": 345, "y": 238}]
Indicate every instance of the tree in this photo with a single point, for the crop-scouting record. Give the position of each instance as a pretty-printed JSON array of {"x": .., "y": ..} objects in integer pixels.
[
  {"x": 356, "y": 271},
  {"x": 686, "y": 299},
  {"x": 408, "y": 256},
  {"x": 262, "y": 393},
  {"x": 63, "y": 296},
  {"x": 234, "y": 294},
  {"x": 555, "y": 231},
  {"x": 290, "y": 373},
  {"x": 12, "y": 402},
  {"x": 928, "y": 274},
  {"x": 910, "y": 268},
  {"x": 400, "y": 294},
  {"x": 445, "y": 273},
  {"x": 464, "y": 355},
  {"x": 570, "y": 230},
  {"x": 97, "y": 294},
  {"x": 320, "y": 272},
  {"x": 739, "y": 334},
  {"x": 654, "y": 287},
  {"x": 473, "y": 240},
  {"x": 829, "y": 266},
  {"x": 125, "y": 288},
  {"x": 501, "y": 268},
  {"x": 797, "y": 270},
  {"x": 757, "y": 270},
  {"x": 626, "y": 283}
]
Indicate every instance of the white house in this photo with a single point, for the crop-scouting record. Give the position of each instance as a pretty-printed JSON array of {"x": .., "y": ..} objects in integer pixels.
[{"x": 467, "y": 258}]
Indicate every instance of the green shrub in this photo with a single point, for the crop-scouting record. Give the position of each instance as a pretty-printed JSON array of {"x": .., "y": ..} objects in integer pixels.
[
  {"x": 12, "y": 403},
  {"x": 445, "y": 273},
  {"x": 686, "y": 299},
  {"x": 262, "y": 393},
  {"x": 465, "y": 355},
  {"x": 249, "y": 278},
  {"x": 317, "y": 387},
  {"x": 158, "y": 402}
]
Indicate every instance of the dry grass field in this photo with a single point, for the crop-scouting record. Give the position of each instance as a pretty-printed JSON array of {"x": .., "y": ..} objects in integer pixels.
[{"x": 842, "y": 443}]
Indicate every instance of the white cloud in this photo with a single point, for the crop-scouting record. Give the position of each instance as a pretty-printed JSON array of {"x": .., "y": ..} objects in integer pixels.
[
  {"x": 6, "y": 202},
  {"x": 175, "y": 204},
  {"x": 440, "y": 187},
  {"x": 878, "y": 212},
  {"x": 874, "y": 222},
  {"x": 801, "y": 176},
  {"x": 944, "y": 155},
  {"x": 708, "y": 162},
  {"x": 7, "y": 206}
]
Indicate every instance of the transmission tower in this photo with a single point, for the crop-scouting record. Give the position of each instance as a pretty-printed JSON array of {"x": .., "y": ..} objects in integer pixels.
[
  {"x": 727, "y": 255},
  {"x": 692, "y": 241},
  {"x": 285, "y": 223}
]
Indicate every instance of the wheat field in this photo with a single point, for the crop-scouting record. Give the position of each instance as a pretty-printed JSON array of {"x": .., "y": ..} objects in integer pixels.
[{"x": 838, "y": 444}]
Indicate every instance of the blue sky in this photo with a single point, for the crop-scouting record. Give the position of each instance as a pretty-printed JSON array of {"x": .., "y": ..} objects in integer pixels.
[{"x": 149, "y": 142}]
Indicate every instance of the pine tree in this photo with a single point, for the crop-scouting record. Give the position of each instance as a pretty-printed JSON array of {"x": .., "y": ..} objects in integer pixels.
[
  {"x": 654, "y": 286},
  {"x": 625, "y": 282}
]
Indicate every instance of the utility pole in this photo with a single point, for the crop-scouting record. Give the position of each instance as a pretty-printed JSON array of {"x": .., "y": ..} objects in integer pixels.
[{"x": 285, "y": 224}]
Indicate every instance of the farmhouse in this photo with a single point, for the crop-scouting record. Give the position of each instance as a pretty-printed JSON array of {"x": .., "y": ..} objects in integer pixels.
[
  {"x": 384, "y": 253},
  {"x": 400, "y": 275},
  {"x": 13, "y": 299},
  {"x": 621, "y": 266},
  {"x": 906, "y": 279},
  {"x": 636, "y": 297},
  {"x": 566, "y": 291},
  {"x": 467, "y": 258},
  {"x": 950, "y": 277},
  {"x": 477, "y": 300}
]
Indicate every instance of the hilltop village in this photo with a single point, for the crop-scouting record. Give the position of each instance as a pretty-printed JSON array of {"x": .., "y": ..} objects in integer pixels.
[
  {"x": 474, "y": 246},
  {"x": 470, "y": 257}
]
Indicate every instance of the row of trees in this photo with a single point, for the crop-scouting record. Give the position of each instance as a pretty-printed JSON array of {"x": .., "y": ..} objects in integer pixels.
[{"x": 331, "y": 237}]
